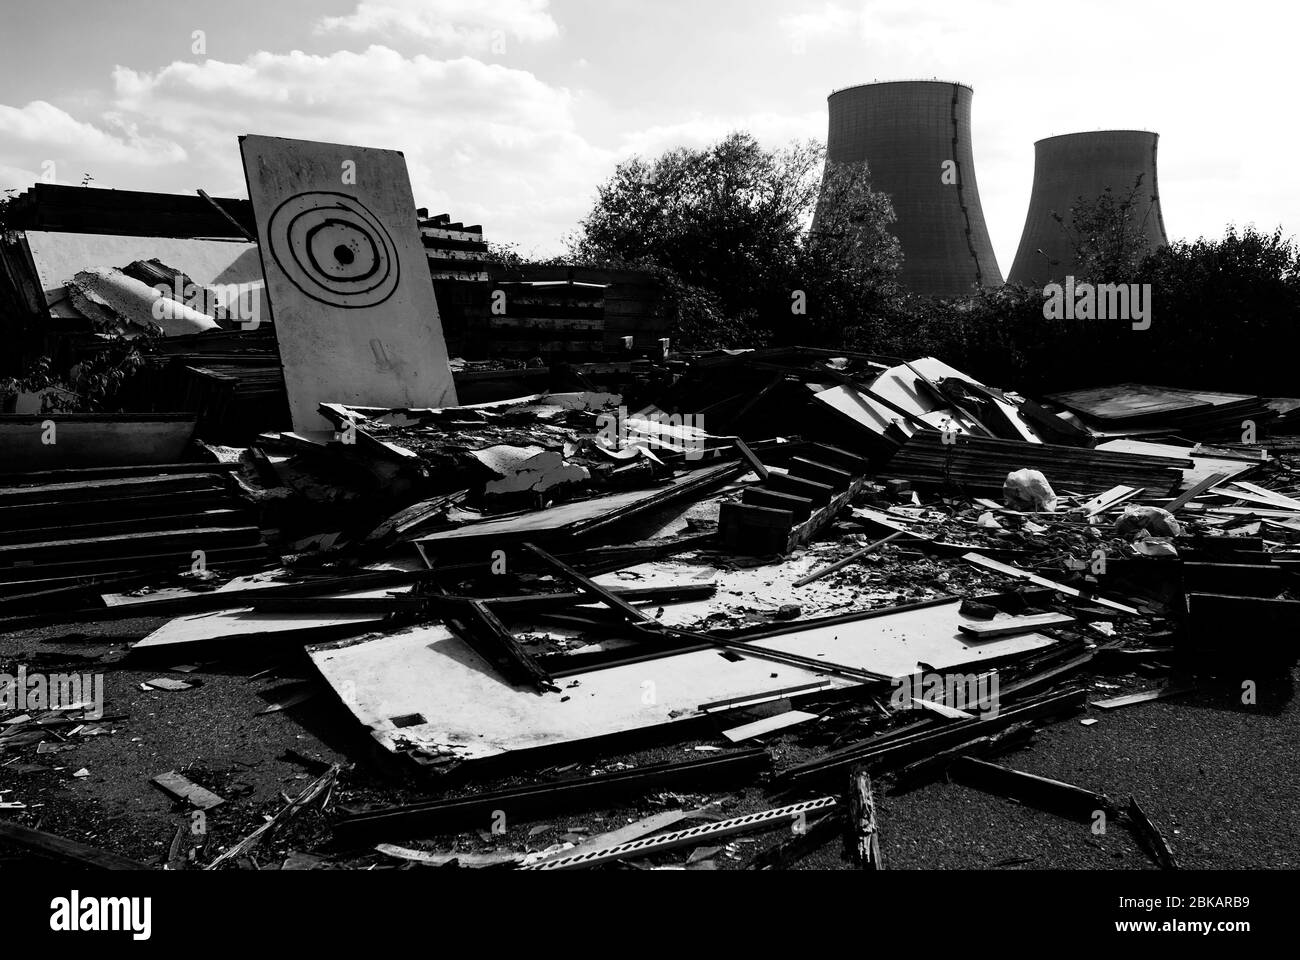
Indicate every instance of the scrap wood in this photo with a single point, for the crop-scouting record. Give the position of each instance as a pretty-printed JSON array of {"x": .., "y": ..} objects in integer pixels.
[
  {"x": 795, "y": 812},
  {"x": 470, "y": 860},
  {"x": 217, "y": 600},
  {"x": 187, "y": 790},
  {"x": 768, "y": 725},
  {"x": 1281, "y": 500},
  {"x": 533, "y": 800},
  {"x": 863, "y": 836},
  {"x": 1172, "y": 690},
  {"x": 919, "y": 740},
  {"x": 1111, "y": 498},
  {"x": 590, "y": 587},
  {"x": 1149, "y": 836},
  {"x": 851, "y": 558},
  {"x": 1004, "y": 626},
  {"x": 648, "y": 627},
  {"x": 321, "y": 785},
  {"x": 505, "y": 650},
  {"x": 63, "y": 849},
  {"x": 1053, "y": 795},
  {"x": 1006, "y": 569},
  {"x": 920, "y": 771},
  {"x": 759, "y": 467},
  {"x": 1273, "y": 504},
  {"x": 1198, "y": 488}
]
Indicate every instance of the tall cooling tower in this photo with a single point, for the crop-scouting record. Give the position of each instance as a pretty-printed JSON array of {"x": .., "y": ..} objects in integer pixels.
[
  {"x": 915, "y": 137},
  {"x": 1077, "y": 165}
]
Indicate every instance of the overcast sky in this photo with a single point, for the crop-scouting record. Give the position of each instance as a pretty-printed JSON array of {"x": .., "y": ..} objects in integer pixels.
[{"x": 510, "y": 112}]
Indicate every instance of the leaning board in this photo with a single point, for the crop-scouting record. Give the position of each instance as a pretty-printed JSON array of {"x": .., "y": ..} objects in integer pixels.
[{"x": 346, "y": 277}]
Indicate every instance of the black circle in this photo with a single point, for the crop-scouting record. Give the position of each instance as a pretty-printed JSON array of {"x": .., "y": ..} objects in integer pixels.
[
  {"x": 385, "y": 271},
  {"x": 344, "y": 255}
]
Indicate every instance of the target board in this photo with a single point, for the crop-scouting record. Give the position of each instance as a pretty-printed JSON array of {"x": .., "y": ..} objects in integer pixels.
[{"x": 347, "y": 279}]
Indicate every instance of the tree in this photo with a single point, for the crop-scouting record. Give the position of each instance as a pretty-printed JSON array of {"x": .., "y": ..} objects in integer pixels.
[
  {"x": 850, "y": 259},
  {"x": 729, "y": 223},
  {"x": 1108, "y": 234}
]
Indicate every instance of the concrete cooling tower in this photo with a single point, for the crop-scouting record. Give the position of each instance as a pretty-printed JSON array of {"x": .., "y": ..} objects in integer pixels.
[
  {"x": 916, "y": 139},
  {"x": 1077, "y": 165}
]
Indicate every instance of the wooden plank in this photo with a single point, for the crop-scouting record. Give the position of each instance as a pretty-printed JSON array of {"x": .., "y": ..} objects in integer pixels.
[
  {"x": 1006, "y": 569},
  {"x": 759, "y": 728},
  {"x": 1149, "y": 836},
  {"x": 590, "y": 587},
  {"x": 1270, "y": 502},
  {"x": 1055, "y": 795},
  {"x": 863, "y": 835},
  {"x": 523, "y": 665},
  {"x": 851, "y": 558},
  {"x": 800, "y": 508},
  {"x": 750, "y": 458},
  {"x": 196, "y": 796},
  {"x": 1285, "y": 502},
  {"x": 63, "y": 849},
  {"x": 1006, "y": 626},
  {"x": 1145, "y": 696},
  {"x": 1198, "y": 488}
]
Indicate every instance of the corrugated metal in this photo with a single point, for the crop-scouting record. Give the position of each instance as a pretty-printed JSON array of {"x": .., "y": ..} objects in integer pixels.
[
  {"x": 906, "y": 131},
  {"x": 1083, "y": 165}
]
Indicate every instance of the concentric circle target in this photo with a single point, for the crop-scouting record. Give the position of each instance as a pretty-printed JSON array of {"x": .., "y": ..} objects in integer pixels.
[{"x": 333, "y": 249}]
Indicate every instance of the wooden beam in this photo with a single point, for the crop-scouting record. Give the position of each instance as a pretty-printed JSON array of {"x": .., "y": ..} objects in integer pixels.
[
  {"x": 863, "y": 835},
  {"x": 63, "y": 849},
  {"x": 590, "y": 587},
  {"x": 851, "y": 558},
  {"x": 518, "y": 662},
  {"x": 1149, "y": 836}
]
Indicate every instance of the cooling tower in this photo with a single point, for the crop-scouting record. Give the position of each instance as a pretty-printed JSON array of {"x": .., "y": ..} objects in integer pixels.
[
  {"x": 1083, "y": 165},
  {"x": 915, "y": 137}
]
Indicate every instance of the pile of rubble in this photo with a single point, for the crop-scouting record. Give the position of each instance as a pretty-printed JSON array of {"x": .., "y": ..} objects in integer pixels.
[{"x": 823, "y": 574}]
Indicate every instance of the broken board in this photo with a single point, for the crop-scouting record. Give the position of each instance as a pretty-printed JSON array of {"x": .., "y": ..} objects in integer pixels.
[
  {"x": 424, "y": 692},
  {"x": 346, "y": 277}
]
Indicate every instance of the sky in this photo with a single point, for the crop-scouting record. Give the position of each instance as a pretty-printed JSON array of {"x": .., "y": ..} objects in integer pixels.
[{"x": 512, "y": 112}]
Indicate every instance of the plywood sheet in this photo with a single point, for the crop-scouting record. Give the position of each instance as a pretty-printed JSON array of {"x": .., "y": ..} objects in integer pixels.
[
  {"x": 464, "y": 710},
  {"x": 346, "y": 276},
  {"x": 247, "y": 624}
]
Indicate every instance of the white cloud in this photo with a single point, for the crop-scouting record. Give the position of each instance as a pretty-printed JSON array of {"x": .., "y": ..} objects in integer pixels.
[
  {"x": 477, "y": 25},
  {"x": 831, "y": 20},
  {"x": 47, "y": 132},
  {"x": 484, "y": 142},
  {"x": 700, "y": 130}
]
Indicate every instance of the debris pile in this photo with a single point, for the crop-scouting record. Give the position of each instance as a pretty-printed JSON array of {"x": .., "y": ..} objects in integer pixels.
[
  {"x": 672, "y": 611},
  {"x": 536, "y": 589}
]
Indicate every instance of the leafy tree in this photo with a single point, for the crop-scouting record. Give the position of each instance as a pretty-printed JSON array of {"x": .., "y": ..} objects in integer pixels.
[
  {"x": 728, "y": 222},
  {"x": 1108, "y": 233}
]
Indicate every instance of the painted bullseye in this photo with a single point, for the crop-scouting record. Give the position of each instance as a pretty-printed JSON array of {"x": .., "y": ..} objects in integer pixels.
[{"x": 333, "y": 249}]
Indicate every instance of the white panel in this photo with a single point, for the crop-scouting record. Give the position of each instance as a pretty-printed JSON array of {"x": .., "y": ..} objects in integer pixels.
[{"x": 346, "y": 276}]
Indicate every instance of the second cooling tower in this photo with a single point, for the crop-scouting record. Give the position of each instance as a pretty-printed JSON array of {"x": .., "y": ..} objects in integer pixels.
[
  {"x": 1082, "y": 166},
  {"x": 915, "y": 137}
]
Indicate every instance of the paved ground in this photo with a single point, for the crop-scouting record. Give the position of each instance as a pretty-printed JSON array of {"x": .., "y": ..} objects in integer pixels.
[{"x": 1217, "y": 776}]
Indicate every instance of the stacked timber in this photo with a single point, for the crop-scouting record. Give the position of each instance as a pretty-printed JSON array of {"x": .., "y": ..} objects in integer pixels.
[
  {"x": 58, "y": 527},
  {"x": 980, "y": 465}
]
